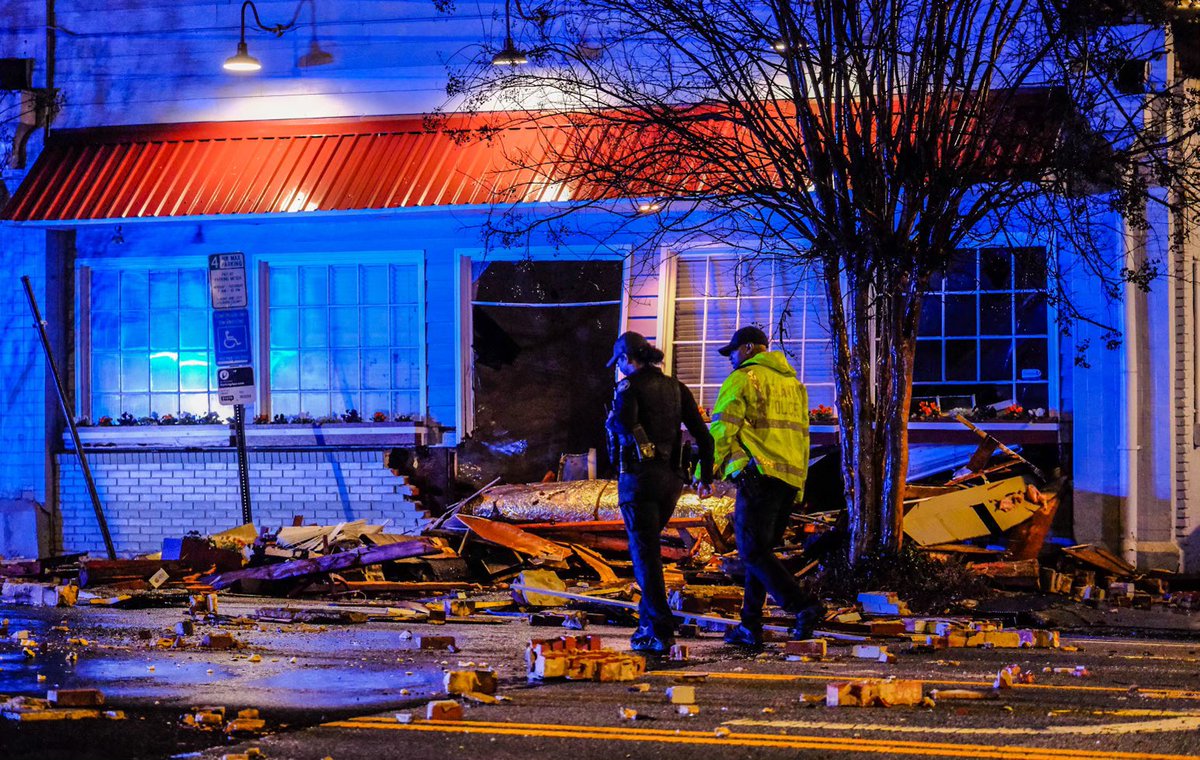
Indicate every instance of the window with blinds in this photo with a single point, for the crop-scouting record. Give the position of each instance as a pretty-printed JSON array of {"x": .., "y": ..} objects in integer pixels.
[{"x": 718, "y": 293}]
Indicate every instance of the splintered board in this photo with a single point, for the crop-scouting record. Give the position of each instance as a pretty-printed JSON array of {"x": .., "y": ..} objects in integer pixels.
[{"x": 983, "y": 510}]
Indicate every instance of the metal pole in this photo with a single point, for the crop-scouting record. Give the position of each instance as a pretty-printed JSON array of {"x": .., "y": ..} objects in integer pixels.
[
  {"x": 239, "y": 436},
  {"x": 66, "y": 409}
]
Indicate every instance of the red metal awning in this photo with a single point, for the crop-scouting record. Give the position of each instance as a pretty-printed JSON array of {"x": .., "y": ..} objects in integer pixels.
[
  {"x": 274, "y": 167},
  {"x": 176, "y": 170}
]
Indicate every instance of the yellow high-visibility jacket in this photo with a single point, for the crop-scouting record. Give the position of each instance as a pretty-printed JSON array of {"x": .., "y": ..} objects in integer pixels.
[{"x": 761, "y": 414}]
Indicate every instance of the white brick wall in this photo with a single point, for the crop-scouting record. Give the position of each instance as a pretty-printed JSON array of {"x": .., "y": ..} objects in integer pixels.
[{"x": 148, "y": 496}]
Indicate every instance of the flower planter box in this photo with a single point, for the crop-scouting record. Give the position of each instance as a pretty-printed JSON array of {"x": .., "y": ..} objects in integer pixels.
[
  {"x": 954, "y": 432},
  {"x": 339, "y": 435}
]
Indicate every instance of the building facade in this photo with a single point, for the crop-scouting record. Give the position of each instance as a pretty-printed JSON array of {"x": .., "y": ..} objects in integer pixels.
[{"x": 132, "y": 156}]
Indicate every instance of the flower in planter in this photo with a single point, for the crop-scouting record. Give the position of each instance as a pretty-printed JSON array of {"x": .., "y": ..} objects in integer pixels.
[
  {"x": 352, "y": 415},
  {"x": 303, "y": 418},
  {"x": 379, "y": 417},
  {"x": 406, "y": 418},
  {"x": 279, "y": 419},
  {"x": 328, "y": 418},
  {"x": 926, "y": 410},
  {"x": 105, "y": 421},
  {"x": 166, "y": 419},
  {"x": 83, "y": 422},
  {"x": 1013, "y": 412},
  {"x": 821, "y": 414},
  {"x": 262, "y": 419},
  {"x": 127, "y": 420}
]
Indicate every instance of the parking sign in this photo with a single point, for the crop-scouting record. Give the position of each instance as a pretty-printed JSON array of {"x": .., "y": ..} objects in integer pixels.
[
  {"x": 235, "y": 385},
  {"x": 231, "y": 337},
  {"x": 227, "y": 280}
]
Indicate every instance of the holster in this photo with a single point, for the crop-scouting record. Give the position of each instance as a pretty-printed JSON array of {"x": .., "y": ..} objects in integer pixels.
[{"x": 645, "y": 448}]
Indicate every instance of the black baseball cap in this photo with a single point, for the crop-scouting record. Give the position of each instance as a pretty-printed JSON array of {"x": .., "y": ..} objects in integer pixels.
[
  {"x": 744, "y": 335},
  {"x": 629, "y": 343}
]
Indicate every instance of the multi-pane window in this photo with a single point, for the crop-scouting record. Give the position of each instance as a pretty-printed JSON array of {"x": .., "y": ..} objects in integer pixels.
[
  {"x": 345, "y": 336},
  {"x": 984, "y": 336},
  {"x": 150, "y": 334},
  {"x": 718, "y": 293}
]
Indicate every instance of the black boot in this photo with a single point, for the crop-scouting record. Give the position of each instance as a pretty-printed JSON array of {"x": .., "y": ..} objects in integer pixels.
[
  {"x": 742, "y": 635},
  {"x": 807, "y": 620}
]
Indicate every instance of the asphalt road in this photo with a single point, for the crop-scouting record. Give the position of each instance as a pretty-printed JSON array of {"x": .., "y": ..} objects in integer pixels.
[{"x": 341, "y": 694}]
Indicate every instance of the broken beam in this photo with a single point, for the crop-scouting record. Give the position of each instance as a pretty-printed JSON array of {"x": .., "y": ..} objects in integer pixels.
[
  {"x": 633, "y": 606},
  {"x": 297, "y": 568}
]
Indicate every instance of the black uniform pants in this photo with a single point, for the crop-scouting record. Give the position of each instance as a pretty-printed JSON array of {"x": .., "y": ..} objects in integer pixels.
[
  {"x": 760, "y": 517},
  {"x": 647, "y": 498}
]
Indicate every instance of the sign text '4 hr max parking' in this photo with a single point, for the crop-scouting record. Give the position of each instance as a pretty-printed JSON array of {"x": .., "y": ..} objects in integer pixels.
[{"x": 231, "y": 327}]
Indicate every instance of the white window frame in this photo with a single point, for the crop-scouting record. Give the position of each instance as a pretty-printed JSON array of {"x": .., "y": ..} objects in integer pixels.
[
  {"x": 669, "y": 296},
  {"x": 1053, "y": 379},
  {"x": 260, "y": 265},
  {"x": 258, "y": 273},
  {"x": 465, "y": 259},
  {"x": 84, "y": 267}
]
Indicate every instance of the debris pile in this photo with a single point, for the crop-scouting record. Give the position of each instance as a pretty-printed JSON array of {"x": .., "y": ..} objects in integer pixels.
[
  {"x": 59, "y": 704},
  {"x": 580, "y": 658}
]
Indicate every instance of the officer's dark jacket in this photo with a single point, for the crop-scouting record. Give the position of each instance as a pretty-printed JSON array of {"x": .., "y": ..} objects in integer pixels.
[{"x": 659, "y": 403}]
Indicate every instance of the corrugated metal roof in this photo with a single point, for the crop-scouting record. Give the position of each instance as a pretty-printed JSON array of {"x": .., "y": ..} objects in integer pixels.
[
  {"x": 173, "y": 170},
  {"x": 272, "y": 167}
]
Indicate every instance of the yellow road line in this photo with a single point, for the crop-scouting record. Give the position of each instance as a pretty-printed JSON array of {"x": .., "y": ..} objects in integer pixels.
[
  {"x": 827, "y": 743},
  {"x": 1159, "y": 726},
  {"x": 1148, "y": 693}
]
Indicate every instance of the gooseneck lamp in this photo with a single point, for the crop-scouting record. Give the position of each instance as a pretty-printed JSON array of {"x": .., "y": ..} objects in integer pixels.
[
  {"x": 242, "y": 61},
  {"x": 508, "y": 55}
]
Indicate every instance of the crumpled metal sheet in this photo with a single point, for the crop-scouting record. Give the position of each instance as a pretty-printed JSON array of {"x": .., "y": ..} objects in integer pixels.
[{"x": 580, "y": 501}]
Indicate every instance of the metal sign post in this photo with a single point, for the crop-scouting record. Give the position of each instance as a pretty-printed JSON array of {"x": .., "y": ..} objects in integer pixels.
[
  {"x": 67, "y": 412},
  {"x": 231, "y": 344}
]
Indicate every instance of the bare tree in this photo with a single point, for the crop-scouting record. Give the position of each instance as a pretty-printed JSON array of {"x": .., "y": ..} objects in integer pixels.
[{"x": 868, "y": 140}]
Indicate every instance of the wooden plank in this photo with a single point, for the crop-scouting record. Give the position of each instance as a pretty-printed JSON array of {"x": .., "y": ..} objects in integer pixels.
[
  {"x": 604, "y": 525},
  {"x": 596, "y": 563},
  {"x": 691, "y": 616},
  {"x": 297, "y": 568},
  {"x": 411, "y": 587},
  {"x": 94, "y": 572},
  {"x": 514, "y": 538},
  {"x": 1101, "y": 559}
]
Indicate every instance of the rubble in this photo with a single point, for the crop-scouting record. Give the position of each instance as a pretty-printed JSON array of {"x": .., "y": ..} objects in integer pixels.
[
  {"x": 580, "y": 658},
  {"x": 872, "y": 692},
  {"x": 29, "y": 709}
]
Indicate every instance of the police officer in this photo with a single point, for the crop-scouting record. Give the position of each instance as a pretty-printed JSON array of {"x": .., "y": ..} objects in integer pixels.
[
  {"x": 760, "y": 428},
  {"x": 645, "y": 422}
]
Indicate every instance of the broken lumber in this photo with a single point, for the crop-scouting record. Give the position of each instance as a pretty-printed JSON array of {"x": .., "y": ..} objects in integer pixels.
[
  {"x": 633, "y": 606},
  {"x": 1101, "y": 559},
  {"x": 514, "y": 538},
  {"x": 297, "y": 568},
  {"x": 309, "y": 615},
  {"x": 97, "y": 572},
  {"x": 989, "y": 440},
  {"x": 613, "y": 526}
]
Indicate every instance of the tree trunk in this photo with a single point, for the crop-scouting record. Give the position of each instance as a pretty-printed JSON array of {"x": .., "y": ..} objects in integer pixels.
[{"x": 873, "y": 432}]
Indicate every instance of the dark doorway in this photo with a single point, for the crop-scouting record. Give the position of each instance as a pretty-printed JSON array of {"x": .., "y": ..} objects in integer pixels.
[{"x": 542, "y": 333}]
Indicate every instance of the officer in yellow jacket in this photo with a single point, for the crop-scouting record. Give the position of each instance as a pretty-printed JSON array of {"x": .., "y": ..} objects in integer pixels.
[{"x": 760, "y": 431}]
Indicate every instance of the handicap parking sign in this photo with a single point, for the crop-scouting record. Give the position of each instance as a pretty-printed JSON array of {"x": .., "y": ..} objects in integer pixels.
[{"x": 231, "y": 337}]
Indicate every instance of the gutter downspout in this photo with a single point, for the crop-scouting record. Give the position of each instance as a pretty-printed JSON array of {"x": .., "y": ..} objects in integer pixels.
[{"x": 1132, "y": 447}]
